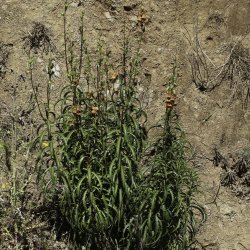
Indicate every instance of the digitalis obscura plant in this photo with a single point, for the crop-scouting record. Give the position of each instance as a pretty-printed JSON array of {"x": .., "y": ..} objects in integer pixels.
[{"x": 91, "y": 147}]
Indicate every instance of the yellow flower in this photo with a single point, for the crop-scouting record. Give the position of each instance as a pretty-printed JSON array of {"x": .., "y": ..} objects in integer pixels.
[
  {"x": 5, "y": 185},
  {"x": 76, "y": 109},
  {"x": 113, "y": 75},
  {"x": 45, "y": 144},
  {"x": 94, "y": 110}
]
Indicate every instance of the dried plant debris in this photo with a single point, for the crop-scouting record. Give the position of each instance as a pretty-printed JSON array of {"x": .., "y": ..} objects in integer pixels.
[
  {"x": 215, "y": 20},
  {"x": 38, "y": 39},
  {"x": 236, "y": 172},
  {"x": 219, "y": 159},
  {"x": 228, "y": 177},
  {"x": 237, "y": 71},
  {"x": 4, "y": 55},
  {"x": 205, "y": 75}
]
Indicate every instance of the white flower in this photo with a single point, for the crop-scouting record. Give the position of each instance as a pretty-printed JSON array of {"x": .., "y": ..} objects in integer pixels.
[{"x": 56, "y": 70}]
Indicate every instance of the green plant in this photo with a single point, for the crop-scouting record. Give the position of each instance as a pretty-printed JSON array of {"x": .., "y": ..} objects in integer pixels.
[
  {"x": 91, "y": 150},
  {"x": 91, "y": 144},
  {"x": 165, "y": 217}
]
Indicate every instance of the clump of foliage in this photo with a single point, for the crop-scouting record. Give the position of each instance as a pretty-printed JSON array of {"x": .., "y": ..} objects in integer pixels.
[
  {"x": 91, "y": 145},
  {"x": 166, "y": 212}
]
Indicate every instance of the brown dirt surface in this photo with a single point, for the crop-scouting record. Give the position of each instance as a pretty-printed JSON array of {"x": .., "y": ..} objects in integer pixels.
[{"x": 213, "y": 84}]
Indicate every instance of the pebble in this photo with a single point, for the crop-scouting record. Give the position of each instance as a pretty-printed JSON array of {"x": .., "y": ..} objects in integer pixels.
[
  {"x": 74, "y": 5},
  {"x": 108, "y": 16},
  {"x": 159, "y": 50},
  {"x": 133, "y": 19},
  {"x": 226, "y": 209},
  {"x": 39, "y": 60}
]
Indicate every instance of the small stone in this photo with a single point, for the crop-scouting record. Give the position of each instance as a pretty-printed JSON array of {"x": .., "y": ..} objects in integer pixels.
[
  {"x": 141, "y": 89},
  {"x": 74, "y": 4},
  {"x": 108, "y": 16},
  {"x": 133, "y": 19},
  {"x": 159, "y": 50},
  {"x": 226, "y": 209},
  {"x": 39, "y": 60}
]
